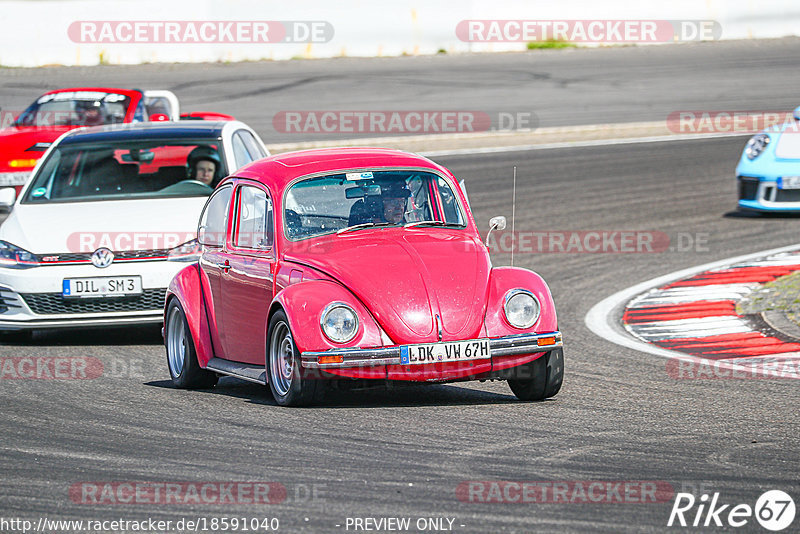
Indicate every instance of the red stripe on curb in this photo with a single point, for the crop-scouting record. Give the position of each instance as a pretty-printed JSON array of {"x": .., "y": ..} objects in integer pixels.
[
  {"x": 740, "y": 275},
  {"x": 730, "y": 345},
  {"x": 674, "y": 312}
]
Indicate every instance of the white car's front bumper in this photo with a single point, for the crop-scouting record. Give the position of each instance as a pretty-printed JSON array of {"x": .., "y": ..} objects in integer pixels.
[{"x": 31, "y": 298}]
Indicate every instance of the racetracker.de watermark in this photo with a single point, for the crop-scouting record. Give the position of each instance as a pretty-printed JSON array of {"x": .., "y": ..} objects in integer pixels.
[
  {"x": 758, "y": 368},
  {"x": 177, "y": 493},
  {"x": 402, "y": 121},
  {"x": 565, "y": 491},
  {"x": 588, "y": 31},
  {"x": 595, "y": 242},
  {"x": 729, "y": 121},
  {"x": 50, "y": 368},
  {"x": 199, "y": 31}
]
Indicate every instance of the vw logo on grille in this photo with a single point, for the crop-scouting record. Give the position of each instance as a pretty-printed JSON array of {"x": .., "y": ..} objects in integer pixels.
[{"x": 102, "y": 257}]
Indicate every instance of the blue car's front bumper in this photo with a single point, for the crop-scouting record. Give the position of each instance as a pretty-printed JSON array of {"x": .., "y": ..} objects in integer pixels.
[
  {"x": 764, "y": 194},
  {"x": 759, "y": 183}
]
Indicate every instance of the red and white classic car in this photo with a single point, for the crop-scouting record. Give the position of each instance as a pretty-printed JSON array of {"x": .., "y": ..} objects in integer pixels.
[{"x": 354, "y": 263}]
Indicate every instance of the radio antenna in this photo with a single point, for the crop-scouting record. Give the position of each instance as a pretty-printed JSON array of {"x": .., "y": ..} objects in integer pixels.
[{"x": 513, "y": 214}]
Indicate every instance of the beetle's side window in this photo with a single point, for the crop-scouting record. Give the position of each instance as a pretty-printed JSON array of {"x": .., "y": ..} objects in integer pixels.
[
  {"x": 214, "y": 220},
  {"x": 254, "y": 227},
  {"x": 452, "y": 215},
  {"x": 240, "y": 152}
]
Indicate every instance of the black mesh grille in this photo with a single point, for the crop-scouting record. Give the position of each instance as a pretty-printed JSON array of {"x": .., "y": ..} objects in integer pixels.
[
  {"x": 54, "y": 303},
  {"x": 8, "y": 300},
  {"x": 787, "y": 195},
  {"x": 748, "y": 188}
]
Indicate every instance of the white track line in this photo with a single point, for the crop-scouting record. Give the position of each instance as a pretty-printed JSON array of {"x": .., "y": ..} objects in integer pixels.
[
  {"x": 600, "y": 320},
  {"x": 575, "y": 144}
]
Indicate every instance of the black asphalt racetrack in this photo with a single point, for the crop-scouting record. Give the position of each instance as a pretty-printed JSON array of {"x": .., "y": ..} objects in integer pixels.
[
  {"x": 403, "y": 452},
  {"x": 557, "y": 87}
]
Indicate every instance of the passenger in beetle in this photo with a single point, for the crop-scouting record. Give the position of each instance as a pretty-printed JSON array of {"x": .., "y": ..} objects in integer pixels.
[
  {"x": 418, "y": 202},
  {"x": 204, "y": 165}
]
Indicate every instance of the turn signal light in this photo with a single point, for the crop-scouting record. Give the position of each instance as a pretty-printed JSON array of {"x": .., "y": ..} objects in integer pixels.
[
  {"x": 544, "y": 341},
  {"x": 331, "y": 359}
]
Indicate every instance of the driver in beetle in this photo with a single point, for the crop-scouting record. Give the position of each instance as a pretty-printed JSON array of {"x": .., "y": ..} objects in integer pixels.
[
  {"x": 394, "y": 197},
  {"x": 204, "y": 165}
]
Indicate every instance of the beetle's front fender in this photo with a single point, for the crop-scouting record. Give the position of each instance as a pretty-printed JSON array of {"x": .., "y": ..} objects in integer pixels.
[
  {"x": 504, "y": 279},
  {"x": 304, "y": 303},
  {"x": 186, "y": 287}
]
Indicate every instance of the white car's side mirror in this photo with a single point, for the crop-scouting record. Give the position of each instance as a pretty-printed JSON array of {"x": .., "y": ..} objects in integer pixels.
[
  {"x": 7, "y": 197},
  {"x": 495, "y": 223}
]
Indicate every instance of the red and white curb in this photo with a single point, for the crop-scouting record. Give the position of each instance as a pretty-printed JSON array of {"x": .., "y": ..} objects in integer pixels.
[{"x": 690, "y": 317}]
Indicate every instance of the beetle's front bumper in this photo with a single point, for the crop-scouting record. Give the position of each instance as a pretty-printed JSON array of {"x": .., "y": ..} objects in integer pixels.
[{"x": 502, "y": 346}]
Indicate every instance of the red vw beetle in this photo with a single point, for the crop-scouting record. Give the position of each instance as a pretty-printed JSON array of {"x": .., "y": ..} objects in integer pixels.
[{"x": 354, "y": 263}]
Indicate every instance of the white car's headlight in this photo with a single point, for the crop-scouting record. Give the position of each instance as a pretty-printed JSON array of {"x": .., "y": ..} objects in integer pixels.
[
  {"x": 189, "y": 251},
  {"x": 756, "y": 145},
  {"x": 15, "y": 257},
  {"x": 339, "y": 322},
  {"x": 521, "y": 308}
]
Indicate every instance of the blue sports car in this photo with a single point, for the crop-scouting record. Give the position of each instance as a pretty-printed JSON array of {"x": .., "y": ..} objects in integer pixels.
[{"x": 769, "y": 169}]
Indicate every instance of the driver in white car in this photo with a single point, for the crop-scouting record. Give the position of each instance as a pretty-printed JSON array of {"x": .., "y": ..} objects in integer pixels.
[{"x": 203, "y": 163}]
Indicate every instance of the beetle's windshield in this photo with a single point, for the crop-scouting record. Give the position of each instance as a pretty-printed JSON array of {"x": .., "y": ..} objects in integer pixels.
[
  {"x": 78, "y": 172},
  {"x": 363, "y": 200}
]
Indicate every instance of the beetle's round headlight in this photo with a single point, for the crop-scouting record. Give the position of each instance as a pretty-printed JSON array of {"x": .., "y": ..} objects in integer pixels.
[
  {"x": 339, "y": 322},
  {"x": 521, "y": 308}
]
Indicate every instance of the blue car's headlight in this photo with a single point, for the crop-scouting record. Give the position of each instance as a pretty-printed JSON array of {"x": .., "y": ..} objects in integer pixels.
[
  {"x": 15, "y": 257},
  {"x": 756, "y": 145}
]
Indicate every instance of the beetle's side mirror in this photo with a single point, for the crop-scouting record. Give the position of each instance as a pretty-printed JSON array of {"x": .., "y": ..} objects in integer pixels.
[
  {"x": 201, "y": 236},
  {"x": 495, "y": 223},
  {"x": 7, "y": 197},
  {"x": 159, "y": 117}
]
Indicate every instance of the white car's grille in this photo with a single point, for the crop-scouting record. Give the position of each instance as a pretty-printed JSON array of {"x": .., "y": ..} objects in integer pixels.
[
  {"x": 126, "y": 255},
  {"x": 54, "y": 303}
]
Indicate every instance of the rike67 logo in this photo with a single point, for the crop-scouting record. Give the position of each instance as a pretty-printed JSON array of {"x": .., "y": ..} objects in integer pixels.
[{"x": 774, "y": 510}]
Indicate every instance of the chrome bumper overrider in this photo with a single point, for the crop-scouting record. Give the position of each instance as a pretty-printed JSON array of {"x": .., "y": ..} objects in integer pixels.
[{"x": 502, "y": 346}]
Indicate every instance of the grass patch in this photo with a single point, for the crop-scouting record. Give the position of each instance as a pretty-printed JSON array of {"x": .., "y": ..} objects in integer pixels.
[
  {"x": 782, "y": 294},
  {"x": 550, "y": 43}
]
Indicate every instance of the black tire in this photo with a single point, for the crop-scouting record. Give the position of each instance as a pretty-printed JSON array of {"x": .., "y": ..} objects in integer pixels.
[
  {"x": 539, "y": 379},
  {"x": 182, "y": 363},
  {"x": 289, "y": 383}
]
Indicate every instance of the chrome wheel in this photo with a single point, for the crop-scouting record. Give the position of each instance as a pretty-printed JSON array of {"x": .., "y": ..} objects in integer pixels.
[
  {"x": 281, "y": 359},
  {"x": 176, "y": 342}
]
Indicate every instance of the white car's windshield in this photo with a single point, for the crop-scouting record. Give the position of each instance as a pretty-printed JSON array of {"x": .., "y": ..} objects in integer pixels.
[
  {"x": 353, "y": 201},
  {"x": 75, "y": 108},
  {"x": 78, "y": 172}
]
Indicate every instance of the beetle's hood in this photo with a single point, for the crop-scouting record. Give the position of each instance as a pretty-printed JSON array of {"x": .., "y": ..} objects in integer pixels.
[
  {"x": 117, "y": 224},
  {"x": 15, "y": 142},
  {"x": 407, "y": 277}
]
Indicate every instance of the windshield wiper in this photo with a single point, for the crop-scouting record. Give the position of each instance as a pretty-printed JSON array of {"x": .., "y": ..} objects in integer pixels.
[
  {"x": 364, "y": 225},
  {"x": 430, "y": 223}
]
